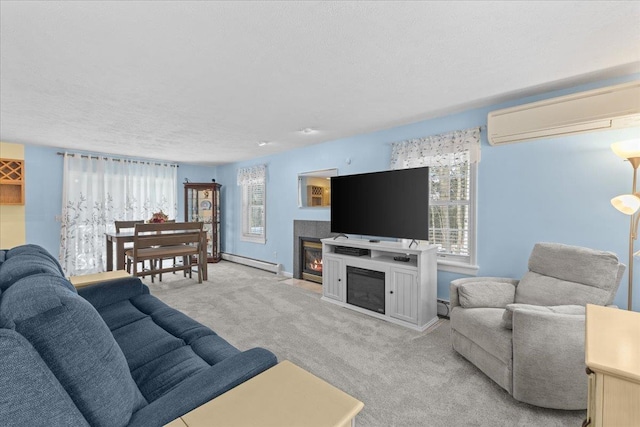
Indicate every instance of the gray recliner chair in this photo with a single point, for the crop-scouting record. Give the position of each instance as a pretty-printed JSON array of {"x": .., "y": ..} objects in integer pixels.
[{"x": 527, "y": 335}]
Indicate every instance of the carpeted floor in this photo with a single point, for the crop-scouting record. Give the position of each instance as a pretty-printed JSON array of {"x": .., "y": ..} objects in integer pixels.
[{"x": 405, "y": 378}]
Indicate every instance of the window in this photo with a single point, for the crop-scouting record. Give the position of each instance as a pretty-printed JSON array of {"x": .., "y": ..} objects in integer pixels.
[
  {"x": 252, "y": 181},
  {"x": 452, "y": 159},
  {"x": 451, "y": 211},
  {"x": 253, "y": 212}
]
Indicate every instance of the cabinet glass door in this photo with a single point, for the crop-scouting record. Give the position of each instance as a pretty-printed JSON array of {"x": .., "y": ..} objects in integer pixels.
[{"x": 203, "y": 204}]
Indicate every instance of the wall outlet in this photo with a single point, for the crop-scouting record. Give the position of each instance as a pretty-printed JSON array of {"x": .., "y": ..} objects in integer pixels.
[{"x": 58, "y": 218}]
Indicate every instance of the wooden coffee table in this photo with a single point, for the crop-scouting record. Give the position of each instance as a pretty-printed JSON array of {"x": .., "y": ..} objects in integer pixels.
[{"x": 283, "y": 396}]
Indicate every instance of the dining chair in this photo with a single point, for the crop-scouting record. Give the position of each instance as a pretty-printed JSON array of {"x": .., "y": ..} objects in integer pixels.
[{"x": 122, "y": 226}]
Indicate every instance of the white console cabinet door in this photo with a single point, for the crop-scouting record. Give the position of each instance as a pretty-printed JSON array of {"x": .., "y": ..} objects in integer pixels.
[
  {"x": 403, "y": 296},
  {"x": 333, "y": 283}
]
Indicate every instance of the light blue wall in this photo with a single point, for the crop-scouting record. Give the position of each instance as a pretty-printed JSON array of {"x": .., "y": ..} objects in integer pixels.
[
  {"x": 546, "y": 190},
  {"x": 282, "y": 198},
  {"x": 43, "y": 196}
]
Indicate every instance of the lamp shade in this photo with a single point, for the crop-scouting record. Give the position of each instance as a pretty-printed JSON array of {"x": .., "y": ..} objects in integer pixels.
[
  {"x": 628, "y": 204},
  {"x": 628, "y": 149}
]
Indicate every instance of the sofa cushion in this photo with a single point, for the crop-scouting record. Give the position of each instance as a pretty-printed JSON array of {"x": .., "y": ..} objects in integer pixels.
[
  {"x": 120, "y": 314},
  {"x": 507, "y": 317},
  {"x": 143, "y": 340},
  {"x": 166, "y": 371},
  {"x": 486, "y": 294},
  {"x": 30, "y": 395},
  {"x": 163, "y": 346},
  {"x": 23, "y": 265},
  {"x": 483, "y": 326},
  {"x": 170, "y": 319},
  {"x": 77, "y": 346}
]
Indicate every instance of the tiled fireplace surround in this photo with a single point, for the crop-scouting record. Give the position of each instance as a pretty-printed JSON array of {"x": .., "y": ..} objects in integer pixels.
[{"x": 305, "y": 228}]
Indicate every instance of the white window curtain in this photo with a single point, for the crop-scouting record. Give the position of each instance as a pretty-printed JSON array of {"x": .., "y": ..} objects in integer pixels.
[
  {"x": 452, "y": 158},
  {"x": 98, "y": 191},
  {"x": 252, "y": 181}
]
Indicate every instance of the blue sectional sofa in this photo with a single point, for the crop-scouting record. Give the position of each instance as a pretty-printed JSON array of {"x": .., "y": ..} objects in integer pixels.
[{"x": 107, "y": 355}]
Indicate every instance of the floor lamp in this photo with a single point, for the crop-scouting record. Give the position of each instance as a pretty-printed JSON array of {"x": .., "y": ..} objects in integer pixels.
[{"x": 629, "y": 203}]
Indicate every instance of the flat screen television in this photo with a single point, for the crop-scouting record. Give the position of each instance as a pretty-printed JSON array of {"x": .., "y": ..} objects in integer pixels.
[{"x": 382, "y": 204}]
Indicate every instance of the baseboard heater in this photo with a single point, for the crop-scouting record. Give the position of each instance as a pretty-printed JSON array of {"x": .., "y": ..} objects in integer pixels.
[{"x": 256, "y": 263}]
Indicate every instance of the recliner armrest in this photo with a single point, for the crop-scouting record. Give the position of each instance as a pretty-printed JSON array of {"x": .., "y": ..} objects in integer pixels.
[
  {"x": 106, "y": 293},
  {"x": 455, "y": 285},
  {"x": 548, "y": 359},
  {"x": 559, "y": 309}
]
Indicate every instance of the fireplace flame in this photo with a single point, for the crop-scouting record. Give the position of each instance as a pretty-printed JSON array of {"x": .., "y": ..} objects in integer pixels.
[{"x": 316, "y": 265}]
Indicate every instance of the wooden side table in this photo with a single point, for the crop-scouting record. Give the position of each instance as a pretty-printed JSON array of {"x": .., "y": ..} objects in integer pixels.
[
  {"x": 91, "y": 279},
  {"x": 283, "y": 396},
  {"x": 612, "y": 347}
]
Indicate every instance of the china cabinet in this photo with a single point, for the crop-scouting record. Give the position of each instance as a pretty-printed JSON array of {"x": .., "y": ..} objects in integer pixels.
[{"x": 202, "y": 203}]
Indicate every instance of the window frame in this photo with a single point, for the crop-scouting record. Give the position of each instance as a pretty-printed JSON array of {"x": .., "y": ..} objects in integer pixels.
[{"x": 460, "y": 263}]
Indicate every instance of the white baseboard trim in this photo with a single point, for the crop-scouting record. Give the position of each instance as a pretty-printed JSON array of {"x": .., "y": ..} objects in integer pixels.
[{"x": 262, "y": 265}]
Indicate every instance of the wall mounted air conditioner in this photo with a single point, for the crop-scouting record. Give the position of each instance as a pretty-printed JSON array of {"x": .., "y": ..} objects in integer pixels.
[{"x": 600, "y": 109}]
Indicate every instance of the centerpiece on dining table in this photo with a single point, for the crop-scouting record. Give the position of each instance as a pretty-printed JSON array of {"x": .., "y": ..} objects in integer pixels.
[{"x": 158, "y": 217}]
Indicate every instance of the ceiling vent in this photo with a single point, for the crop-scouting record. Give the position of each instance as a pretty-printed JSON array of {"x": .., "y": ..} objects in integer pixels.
[{"x": 600, "y": 109}]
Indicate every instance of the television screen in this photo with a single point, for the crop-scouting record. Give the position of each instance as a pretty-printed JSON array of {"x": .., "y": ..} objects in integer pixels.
[{"x": 382, "y": 204}]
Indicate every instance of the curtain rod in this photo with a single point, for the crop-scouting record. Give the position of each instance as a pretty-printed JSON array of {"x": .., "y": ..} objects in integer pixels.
[{"x": 86, "y": 156}]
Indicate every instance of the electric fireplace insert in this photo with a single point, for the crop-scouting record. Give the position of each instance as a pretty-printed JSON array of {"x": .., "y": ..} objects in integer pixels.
[{"x": 365, "y": 289}]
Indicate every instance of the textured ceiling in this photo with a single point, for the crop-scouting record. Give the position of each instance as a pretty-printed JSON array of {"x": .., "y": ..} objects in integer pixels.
[{"x": 204, "y": 82}]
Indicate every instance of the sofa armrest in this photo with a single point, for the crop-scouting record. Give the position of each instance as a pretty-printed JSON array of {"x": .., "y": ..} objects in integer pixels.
[
  {"x": 109, "y": 292},
  {"x": 456, "y": 285},
  {"x": 204, "y": 386},
  {"x": 548, "y": 359}
]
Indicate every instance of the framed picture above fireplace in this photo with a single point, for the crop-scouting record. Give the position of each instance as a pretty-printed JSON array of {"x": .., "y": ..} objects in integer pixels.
[{"x": 314, "y": 188}]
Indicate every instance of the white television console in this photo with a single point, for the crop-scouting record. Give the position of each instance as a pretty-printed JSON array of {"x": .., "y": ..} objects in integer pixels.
[{"x": 410, "y": 287}]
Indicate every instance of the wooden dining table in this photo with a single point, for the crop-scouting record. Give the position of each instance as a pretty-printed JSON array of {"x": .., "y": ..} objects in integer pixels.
[{"x": 120, "y": 239}]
